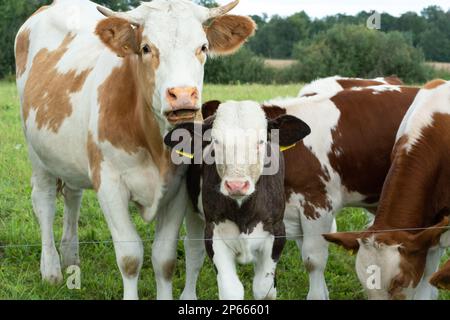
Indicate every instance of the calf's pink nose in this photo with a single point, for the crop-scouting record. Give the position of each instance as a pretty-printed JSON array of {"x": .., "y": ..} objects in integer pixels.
[{"x": 237, "y": 187}]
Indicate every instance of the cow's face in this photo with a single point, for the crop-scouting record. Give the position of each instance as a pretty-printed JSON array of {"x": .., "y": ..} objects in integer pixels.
[
  {"x": 236, "y": 140},
  {"x": 390, "y": 265},
  {"x": 170, "y": 40}
]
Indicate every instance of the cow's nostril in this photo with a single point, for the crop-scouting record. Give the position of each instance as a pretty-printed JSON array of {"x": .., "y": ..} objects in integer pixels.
[{"x": 171, "y": 94}]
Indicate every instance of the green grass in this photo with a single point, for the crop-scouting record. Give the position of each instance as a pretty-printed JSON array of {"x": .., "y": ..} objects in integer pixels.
[{"x": 19, "y": 266}]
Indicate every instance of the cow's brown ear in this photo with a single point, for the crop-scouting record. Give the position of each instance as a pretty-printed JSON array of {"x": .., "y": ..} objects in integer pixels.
[
  {"x": 291, "y": 129},
  {"x": 347, "y": 240},
  {"x": 431, "y": 236},
  {"x": 227, "y": 33},
  {"x": 210, "y": 108},
  {"x": 120, "y": 36},
  {"x": 441, "y": 279}
]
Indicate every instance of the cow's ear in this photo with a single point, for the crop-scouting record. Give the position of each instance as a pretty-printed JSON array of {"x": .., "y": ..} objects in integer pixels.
[
  {"x": 227, "y": 33},
  {"x": 120, "y": 36},
  {"x": 291, "y": 129},
  {"x": 347, "y": 240},
  {"x": 438, "y": 234},
  {"x": 210, "y": 108},
  {"x": 441, "y": 279}
]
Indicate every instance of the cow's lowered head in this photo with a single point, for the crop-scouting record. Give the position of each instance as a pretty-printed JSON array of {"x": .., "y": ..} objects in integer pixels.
[
  {"x": 169, "y": 41},
  {"x": 237, "y": 139}
]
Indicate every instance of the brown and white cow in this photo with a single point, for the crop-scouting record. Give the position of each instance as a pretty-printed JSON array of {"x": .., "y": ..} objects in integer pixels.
[
  {"x": 337, "y": 83},
  {"x": 415, "y": 201},
  {"x": 97, "y": 95},
  {"x": 343, "y": 162}
]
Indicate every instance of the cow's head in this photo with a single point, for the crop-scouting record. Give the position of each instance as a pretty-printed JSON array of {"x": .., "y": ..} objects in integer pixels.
[
  {"x": 236, "y": 138},
  {"x": 390, "y": 264},
  {"x": 170, "y": 40}
]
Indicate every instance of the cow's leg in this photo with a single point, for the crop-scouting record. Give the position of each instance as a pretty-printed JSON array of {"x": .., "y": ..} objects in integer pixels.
[
  {"x": 113, "y": 197},
  {"x": 315, "y": 252},
  {"x": 43, "y": 198},
  {"x": 264, "y": 284},
  {"x": 230, "y": 287},
  {"x": 425, "y": 291},
  {"x": 164, "y": 249},
  {"x": 69, "y": 247},
  {"x": 194, "y": 248}
]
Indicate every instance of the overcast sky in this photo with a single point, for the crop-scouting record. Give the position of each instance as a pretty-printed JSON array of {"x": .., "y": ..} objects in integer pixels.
[{"x": 321, "y": 8}]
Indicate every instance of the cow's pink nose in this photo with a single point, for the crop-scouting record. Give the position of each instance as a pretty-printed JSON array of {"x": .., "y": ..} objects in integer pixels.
[
  {"x": 237, "y": 187},
  {"x": 182, "y": 98}
]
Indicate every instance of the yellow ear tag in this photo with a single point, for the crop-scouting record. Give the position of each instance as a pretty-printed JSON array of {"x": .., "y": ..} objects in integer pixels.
[
  {"x": 283, "y": 149},
  {"x": 185, "y": 154}
]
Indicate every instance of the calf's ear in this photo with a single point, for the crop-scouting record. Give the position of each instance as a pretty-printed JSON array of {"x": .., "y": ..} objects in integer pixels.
[
  {"x": 441, "y": 279},
  {"x": 119, "y": 36},
  {"x": 347, "y": 240},
  {"x": 210, "y": 108},
  {"x": 227, "y": 33},
  {"x": 291, "y": 129},
  {"x": 182, "y": 135}
]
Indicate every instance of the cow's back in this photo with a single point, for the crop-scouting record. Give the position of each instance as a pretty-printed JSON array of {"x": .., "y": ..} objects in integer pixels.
[
  {"x": 347, "y": 156},
  {"x": 56, "y": 56}
]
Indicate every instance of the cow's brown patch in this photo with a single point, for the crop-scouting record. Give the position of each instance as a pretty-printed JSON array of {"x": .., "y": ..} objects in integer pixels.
[
  {"x": 169, "y": 269},
  {"x": 441, "y": 279},
  {"x": 95, "y": 157},
  {"x": 433, "y": 84},
  {"x": 130, "y": 266},
  {"x": 227, "y": 33},
  {"x": 361, "y": 160},
  {"x": 47, "y": 91},
  {"x": 126, "y": 117},
  {"x": 22, "y": 51}
]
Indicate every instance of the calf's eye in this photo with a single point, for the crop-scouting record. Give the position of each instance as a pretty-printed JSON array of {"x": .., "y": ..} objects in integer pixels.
[
  {"x": 205, "y": 48},
  {"x": 146, "y": 49}
]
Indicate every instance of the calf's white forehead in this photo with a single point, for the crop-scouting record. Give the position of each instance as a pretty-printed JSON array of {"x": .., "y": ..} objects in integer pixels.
[{"x": 238, "y": 116}]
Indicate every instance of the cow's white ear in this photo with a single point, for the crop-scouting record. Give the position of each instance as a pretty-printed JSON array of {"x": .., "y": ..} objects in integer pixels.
[{"x": 445, "y": 240}]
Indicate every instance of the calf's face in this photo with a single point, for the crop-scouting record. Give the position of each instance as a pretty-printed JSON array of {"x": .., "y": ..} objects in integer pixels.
[{"x": 237, "y": 139}]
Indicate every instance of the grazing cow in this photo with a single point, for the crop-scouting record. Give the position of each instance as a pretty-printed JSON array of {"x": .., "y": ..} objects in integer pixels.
[
  {"x": 441, "y": 279},
  {"x": 415, "y": 200},
  {"x": 242, "y": 206},
  {"x": 97, "y": 95},
  {"x": 337, "y": 83},
  {"x": 343, "y": 162}
]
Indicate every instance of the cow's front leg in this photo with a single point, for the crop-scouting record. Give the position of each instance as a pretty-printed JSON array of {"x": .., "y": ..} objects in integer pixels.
[
  {"x": 315, "y": 252},
  {"x": 164, "y": 249},
  {"x": 264, "y": 284},
  {"x": 194, "y": 251},
  {"x": 113, "y": 197},
  {"x": 425, "y": 291}
]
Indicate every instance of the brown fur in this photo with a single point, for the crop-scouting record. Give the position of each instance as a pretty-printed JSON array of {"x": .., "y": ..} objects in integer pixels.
[
  {"x": 48, "y": 91},
  {"x": 130, "y": 266},
  {"x": 118, "y": 35},
  {"x": 227, "y": 33},
  {"x": 441, "y": 279},
  {"x": 434, "y": 84},
  {"x": 353, "y": 82},
  {"x": 22, "y": 50},
  {"x": 126, "y": 118},
  {"x": 169, "y": 269},
  {"x": 95, "y": 157},
  {"x": 363, "y": 116}
]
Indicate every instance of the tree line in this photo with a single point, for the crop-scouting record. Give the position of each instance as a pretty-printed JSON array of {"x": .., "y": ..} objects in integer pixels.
[{"x": 339, "y": 44}]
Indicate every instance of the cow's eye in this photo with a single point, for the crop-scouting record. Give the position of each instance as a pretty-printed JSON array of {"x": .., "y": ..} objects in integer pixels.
[
  {"x": 205, "y": 48},
  {"x": 146, "y": 49}
]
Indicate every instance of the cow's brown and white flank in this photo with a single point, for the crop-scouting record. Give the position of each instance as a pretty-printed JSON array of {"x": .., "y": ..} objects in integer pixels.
[
  {"x": 97, "y": 94},
  {"x": 415, "y": 196},
  {"x": 343, "y": 162}
]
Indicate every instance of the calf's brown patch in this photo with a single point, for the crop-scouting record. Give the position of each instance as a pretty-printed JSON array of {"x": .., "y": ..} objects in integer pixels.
[
  {"x": 47, "y": 91},
  {"x": 130, "y": 266},
  {"x": 95, "y": 157}
]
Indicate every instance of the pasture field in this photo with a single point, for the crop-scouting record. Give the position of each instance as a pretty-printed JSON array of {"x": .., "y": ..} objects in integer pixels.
[{"x": 100, "y": 279}]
